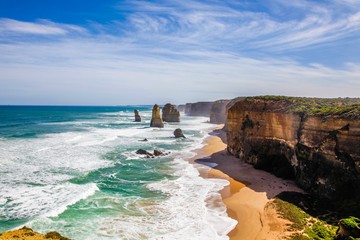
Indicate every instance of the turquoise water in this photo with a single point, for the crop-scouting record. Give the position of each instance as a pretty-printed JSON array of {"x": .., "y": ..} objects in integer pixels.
[{"x": 74, "y": 170}]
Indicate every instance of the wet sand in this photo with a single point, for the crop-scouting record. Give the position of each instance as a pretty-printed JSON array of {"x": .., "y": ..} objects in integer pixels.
[{"x": 248, "y": 196}]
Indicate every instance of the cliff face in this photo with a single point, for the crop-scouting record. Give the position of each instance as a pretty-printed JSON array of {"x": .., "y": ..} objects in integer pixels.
[
  {"x": 170, "y": 113},
  {"x": 218, "y": 112},
  {"x": 187, "y": 108},
  {"x": 181, "y": 108},
  {"x": 198, "y": 109},
  {"x": 322, "y": 153}
]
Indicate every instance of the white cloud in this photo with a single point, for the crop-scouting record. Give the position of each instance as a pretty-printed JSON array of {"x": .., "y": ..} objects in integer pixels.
[
  {"x": 90, "y": 72},
  {"x": 42, "y": 27},
  {"x": 218, "y": 23},
  {"x": 178, "y": 51}
]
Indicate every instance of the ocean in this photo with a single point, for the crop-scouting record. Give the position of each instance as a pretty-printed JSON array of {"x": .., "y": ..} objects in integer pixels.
[{"x": 74, "y": 170}]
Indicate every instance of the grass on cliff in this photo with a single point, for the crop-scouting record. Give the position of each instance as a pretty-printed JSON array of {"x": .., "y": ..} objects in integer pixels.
[
  {"x": 345, "y": 107},
  {"x": 304, "y": 226}
]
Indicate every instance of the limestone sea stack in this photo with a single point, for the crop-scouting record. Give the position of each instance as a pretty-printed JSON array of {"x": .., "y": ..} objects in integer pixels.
[
  {"x": 314, "y": 141},
  {"x": 156, "y": 120},
  {"x": 137, "y": 116},
  {"x": 170, "y": 113}
]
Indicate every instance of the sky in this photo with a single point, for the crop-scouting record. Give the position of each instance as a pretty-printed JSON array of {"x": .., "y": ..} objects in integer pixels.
[{"x": 119, "y": 52}]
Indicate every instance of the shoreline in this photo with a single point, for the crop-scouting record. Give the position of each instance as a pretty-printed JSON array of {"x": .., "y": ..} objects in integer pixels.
[{"x": 248, "y": 197}]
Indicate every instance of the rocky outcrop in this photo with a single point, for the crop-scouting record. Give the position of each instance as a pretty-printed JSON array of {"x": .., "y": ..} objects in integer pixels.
[
  {"x": 198, "y": 109},
  {"x": 319, "y": 148},
  {"x": 181, "y": 108},
  {"x": 349, "y": 228},
  {"x": 28, "y": 233},
  {"x": 218, "y": 112},
  {"x": 156, "y": 120},
  {"x": 156, "y": 153},
  {"x": 178, "y": 133},
  {"x": 170, "y": 113},
  {"x": 144, "y": 152},
  {"x": 137, "y": 116}
]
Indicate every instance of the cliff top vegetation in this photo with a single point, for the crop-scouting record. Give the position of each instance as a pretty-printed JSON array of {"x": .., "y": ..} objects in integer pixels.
[{"x": 344, "y": 107}]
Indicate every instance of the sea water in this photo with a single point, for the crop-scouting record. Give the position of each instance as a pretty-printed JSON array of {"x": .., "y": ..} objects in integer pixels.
[{"x": 74, "y": 170}]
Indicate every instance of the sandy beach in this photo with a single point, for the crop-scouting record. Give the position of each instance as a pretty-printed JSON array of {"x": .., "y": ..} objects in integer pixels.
[{"x": 248, "y": 196}]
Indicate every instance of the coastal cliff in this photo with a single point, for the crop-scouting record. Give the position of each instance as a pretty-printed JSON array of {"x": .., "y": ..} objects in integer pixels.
[
  {"x": 181, "y": 107},
  {"x": 314, "y": 141},
  {"x": 198, "y": 109},
  {"x": 218, "y": 111}
]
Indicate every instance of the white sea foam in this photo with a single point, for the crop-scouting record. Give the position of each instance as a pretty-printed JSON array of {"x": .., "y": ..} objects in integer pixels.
[
  {"x": 43, "y": 166},
  {"x": 24, "y": 201},
  {"x": 192, "y": 210}
]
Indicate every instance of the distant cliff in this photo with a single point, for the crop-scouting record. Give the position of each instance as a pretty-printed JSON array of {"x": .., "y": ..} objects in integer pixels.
[
  {"x": 181, "y": 108},
  {"x": 198, "y": 109},
  {"x": 187, "y": 108},
  {"x": 218, "y": 111},
  {"x": 314, "y": 141}
]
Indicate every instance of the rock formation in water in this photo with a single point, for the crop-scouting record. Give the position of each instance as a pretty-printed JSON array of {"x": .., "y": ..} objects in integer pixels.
[
  {"x": 178, "y": 133},
  {"x": 137, "y": 116},
  {"x": 156, "y": 153},
  {"x": 218, "y": 112},
  {"x": 170, "y": 113},
  {"x": 156, "y": 120},
  {"x": 144, "y": 152},
  {"x": 314, "y": 141},
  {"x": 198, "y": 109}
]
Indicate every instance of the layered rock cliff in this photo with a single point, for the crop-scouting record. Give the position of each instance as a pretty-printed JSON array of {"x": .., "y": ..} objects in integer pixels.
[
  {"x": 187, "y": 108},
  {"x": 198, "y": 109},
  {"x": 170, "y": 113},
  {"x": 314, "y": 141},
  {"x": 218, "y": 111},
  {"x": 156, "y": 120}
]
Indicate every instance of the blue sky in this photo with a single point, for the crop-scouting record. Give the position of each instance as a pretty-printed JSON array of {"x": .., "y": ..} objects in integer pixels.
[{"x": 144, "y": 52}]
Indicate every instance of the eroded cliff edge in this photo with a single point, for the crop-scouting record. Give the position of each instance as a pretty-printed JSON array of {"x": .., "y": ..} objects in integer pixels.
[{"x": 314, "y": 141}]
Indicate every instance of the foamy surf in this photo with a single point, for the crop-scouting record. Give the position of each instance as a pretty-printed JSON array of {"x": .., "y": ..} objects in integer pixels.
[{"x": 83, "y": 179}]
